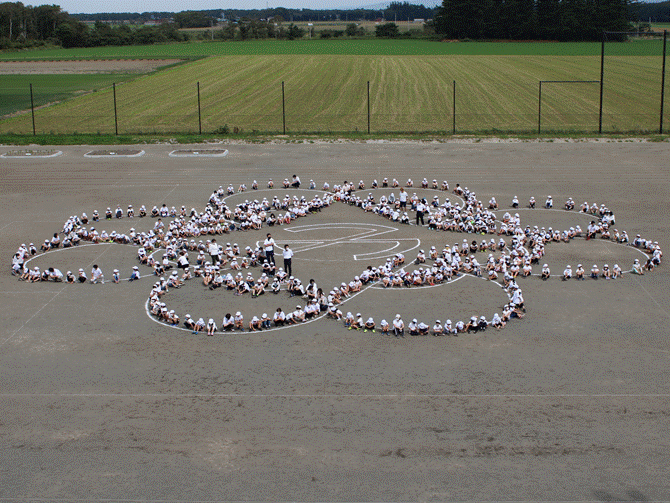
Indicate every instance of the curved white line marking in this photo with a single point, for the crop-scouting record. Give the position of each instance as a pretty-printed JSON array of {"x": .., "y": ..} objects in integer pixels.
[
  {"x": 90, "y": 155},
  {"x": 29, "y": 156},
  {"x": 319, "y": 317},
  {"x": 199, "y": 153}
]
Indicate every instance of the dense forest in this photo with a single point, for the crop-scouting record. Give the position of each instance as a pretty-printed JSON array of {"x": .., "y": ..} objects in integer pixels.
[
  {"x": 654, "y": 12},
  {"x": 563, "y": 20}
]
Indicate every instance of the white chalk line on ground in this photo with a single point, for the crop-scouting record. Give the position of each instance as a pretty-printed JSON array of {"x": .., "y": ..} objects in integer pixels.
[
  {"x": 651, "y": 296},
  {"x": 168, "y": 194},
  {"x": 28, "y": 293},
  {"x": 72, "y": 248},
  {"x": 334, "y": 395},
  {"x": 265, "y": 330},
  {"x": 5, "y": 226},
  {"x": 401, "y": 289},
  {"x": 46, "y": 304},
  {"x": 31, "y": 318}
]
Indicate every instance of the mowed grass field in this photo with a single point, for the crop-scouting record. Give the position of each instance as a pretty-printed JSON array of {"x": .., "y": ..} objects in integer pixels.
[
  {"x": 352, "y": 47},
  {"x": 407, "y": 93}
]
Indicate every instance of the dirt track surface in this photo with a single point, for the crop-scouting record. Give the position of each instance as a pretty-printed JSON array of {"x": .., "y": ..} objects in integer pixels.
[
  {"x": 101, "y": 403},
  {"x": 92, "y": 66}
]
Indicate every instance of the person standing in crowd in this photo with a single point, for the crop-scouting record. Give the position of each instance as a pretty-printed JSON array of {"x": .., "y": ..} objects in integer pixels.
[
  {"x": 269, "y": 246},
  {"x": 214, "y": 251},
  {"x": 288, "y": 256},
  {"x": 402, "y": 198},
  {"x": 420, "y": 211}
]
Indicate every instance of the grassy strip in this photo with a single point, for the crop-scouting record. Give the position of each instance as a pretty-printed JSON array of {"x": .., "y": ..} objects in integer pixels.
[
  {"x": 107, "y": 139},
  {"x": 371, "y": 47}
]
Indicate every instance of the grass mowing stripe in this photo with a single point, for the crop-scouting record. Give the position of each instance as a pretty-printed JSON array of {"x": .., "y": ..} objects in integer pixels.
[{"x": 328, "y": 93}]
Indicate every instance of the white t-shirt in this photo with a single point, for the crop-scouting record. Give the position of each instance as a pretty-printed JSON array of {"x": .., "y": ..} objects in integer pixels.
[
  {"x": 287, "y": 253},
  {"x": 269, "y": 244}
]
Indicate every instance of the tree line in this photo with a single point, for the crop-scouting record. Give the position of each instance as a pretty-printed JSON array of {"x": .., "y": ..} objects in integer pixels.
[
  {"x": 563, "y": 20},
  {"x": 654, "y": 12},
  {"x": 27, "y": 26},
  {"x": 396, "y": 10}
]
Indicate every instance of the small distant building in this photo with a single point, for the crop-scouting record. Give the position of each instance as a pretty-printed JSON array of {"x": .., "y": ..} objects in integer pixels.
[{"x": 156, "y": 22}]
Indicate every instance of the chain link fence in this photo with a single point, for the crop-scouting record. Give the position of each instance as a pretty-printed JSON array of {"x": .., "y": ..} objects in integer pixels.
[{"x": 628, "y": 99}]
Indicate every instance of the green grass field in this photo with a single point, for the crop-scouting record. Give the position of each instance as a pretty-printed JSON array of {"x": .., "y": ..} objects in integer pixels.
[
  {"x": 365, "y": 47},
  {"x": 15, "y": 89},
  {"x": 407, "y": 93}
]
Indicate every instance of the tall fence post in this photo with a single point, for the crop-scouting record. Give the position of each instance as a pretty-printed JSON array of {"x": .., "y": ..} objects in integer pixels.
[
  {"x": 453, "y": 115},
  {"x": 602, "y": 82},
  {"x": 283, "y": 108},
  {"x": 368, "y": 107},
  {"x": 32, "y": 109},
  {"x": 665, "y": 41},
  {"x": 539, "y": 109},
  {"x": 199, "y": 115},
  {"x": 116, "y": 116}
]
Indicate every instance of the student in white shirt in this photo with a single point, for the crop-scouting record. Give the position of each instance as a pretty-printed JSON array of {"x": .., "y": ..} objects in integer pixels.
[
  {"x": 288, "y": 260},
  {"x": 96, "y": 275},
  {"x": 211, "y": 327},
  {"x": 398, "y": 326},
  {"x": 279, "y": 317},
  {"x": 54, "y": 275},
  {"x": 269, "y": 247},
  {"x": 567, "y": 273}
]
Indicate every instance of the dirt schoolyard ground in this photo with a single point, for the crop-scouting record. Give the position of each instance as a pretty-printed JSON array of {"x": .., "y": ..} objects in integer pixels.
[{"x": 102, "y": 403}]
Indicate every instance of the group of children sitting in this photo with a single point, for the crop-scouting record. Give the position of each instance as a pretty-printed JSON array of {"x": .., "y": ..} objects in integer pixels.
[{"x": 507, "y": 258}]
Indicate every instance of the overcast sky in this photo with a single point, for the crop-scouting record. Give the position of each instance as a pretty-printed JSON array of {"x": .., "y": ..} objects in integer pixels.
[{"x": 92, "y": 6}]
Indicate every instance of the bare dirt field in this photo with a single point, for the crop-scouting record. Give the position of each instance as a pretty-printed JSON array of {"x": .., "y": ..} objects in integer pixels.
[
  {"x": 102, "y": 403},
  {"x": 83, "y": 66}
]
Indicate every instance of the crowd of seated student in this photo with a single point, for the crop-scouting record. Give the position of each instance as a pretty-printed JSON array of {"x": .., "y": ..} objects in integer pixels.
[{"x": 507, "y": 259}]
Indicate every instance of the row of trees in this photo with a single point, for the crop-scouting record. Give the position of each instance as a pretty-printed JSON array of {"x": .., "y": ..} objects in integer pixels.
[
  {"x": 18, "y": 22},
  {"x": 573, "y": 20},
  {"x": 78, "y": 34},
  {"x": 256, "y": 29},
  {"x": 655, "y": 12},
  {"x": 192, "y": 19}
]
